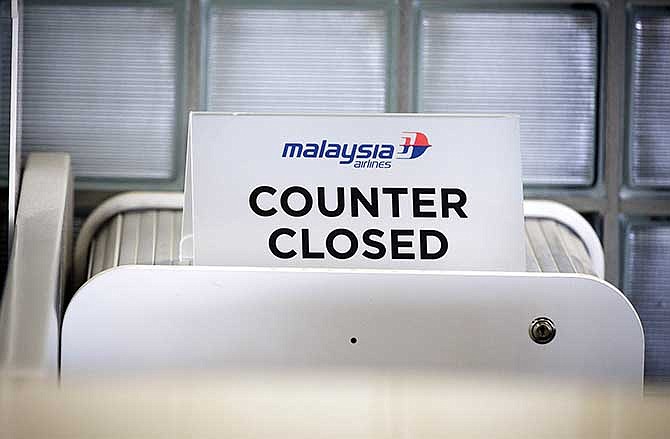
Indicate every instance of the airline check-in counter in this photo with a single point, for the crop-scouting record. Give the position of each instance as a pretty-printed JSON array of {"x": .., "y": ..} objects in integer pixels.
[{"x": 142, "y": 303}]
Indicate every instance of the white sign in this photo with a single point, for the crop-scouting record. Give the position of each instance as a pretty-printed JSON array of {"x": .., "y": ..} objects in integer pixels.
[{"x": 356, "y": 191}]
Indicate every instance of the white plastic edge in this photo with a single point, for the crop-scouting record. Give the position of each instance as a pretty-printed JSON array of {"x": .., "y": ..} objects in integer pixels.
[
  {"x": 119, "y": 272},
  {"x": 572, "y": 219},
  {"x": 186, "y": 241},
  {"x": 14, "y": 181},
  {"x": 125, "y": 202}
]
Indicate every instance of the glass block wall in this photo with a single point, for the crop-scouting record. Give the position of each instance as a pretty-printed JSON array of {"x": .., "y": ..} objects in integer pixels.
[{"x": 646, "y": 240}]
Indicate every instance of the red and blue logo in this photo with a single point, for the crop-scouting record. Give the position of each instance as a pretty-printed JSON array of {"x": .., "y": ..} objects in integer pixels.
[{"x": 413, "y": 144}]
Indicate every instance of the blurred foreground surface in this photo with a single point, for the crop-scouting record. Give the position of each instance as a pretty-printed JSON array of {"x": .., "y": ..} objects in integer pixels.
[{"x": 324, "y": 405}]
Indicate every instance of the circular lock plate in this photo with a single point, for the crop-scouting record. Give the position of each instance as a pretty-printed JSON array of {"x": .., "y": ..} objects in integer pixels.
[{"x": 542, "y": 330}]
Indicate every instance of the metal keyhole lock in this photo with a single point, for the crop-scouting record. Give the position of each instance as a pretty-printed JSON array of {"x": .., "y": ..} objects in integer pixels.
[{"x": 542, "y": 330}]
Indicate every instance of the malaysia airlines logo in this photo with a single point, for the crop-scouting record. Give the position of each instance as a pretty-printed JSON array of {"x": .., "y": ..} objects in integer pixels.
[
  {"x": 366, "y": 155},
  {"x": 414, "y": 144}
]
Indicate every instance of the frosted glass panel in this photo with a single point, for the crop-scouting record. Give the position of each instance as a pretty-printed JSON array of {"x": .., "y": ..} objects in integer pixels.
[
  {"x": 100, "y": 82},
  {"x": 296, "y": 60},
  {"x": 647, "y": 285},
  {"x": 650, "y": 113},
  {"x": 541, "y": 66}
]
